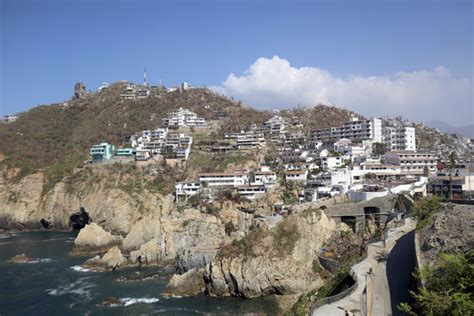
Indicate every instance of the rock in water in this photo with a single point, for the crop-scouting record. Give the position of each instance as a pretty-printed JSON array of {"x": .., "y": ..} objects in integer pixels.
[
  {"x": 111, "y": 301},
  {"x": 20, "y": 259},
  {"x": 113, "y": 258},
  {"x": 110, "y": 261},
  {"x": 148, "y": 254},
  {"x": 93, "y": 239},
  {"x": 187, "y": 284}
]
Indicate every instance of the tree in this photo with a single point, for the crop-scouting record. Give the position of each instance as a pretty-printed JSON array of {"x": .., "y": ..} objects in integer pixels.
[
  {"x": 378, "y": 149},
  {"x": 448, "y": 290},
  {"x": 424, "y": 208}
]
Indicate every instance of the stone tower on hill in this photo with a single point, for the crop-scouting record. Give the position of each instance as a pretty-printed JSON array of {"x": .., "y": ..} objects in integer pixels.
[{"x": 79, "y": 91}]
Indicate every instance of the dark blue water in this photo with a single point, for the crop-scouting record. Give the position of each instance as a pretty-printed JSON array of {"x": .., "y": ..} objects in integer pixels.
[{"x": 50, "y": 286}]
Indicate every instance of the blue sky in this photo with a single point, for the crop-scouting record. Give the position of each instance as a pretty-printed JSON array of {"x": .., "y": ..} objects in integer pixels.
[{"x": 47, "y": 46}]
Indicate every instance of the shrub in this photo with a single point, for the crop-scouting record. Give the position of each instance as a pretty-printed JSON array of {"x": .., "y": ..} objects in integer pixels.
[
  {"x": 285, "y": 237},
  {"x": 424, "y": 208},
  {"x": 449, "y": 287},
  {"x": 229, "y": 228}
]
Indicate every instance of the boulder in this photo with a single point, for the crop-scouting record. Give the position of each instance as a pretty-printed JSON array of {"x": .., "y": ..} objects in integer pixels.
[
  {"x": 148, "y": 254},
  {"x": 20, "y": 259},
  {"x": 110, "y": 261},
  {"x": 93, "y": 239},
  {"x": 187, "y": 284}
]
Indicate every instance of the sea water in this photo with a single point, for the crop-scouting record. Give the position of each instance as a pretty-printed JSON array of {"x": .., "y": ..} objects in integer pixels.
[{"x": 53, "y": 283}]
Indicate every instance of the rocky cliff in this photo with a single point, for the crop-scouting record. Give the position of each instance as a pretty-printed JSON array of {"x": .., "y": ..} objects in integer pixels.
[
  {"x": 450, "y": 231},
  {"x": 280, "y": 260}
]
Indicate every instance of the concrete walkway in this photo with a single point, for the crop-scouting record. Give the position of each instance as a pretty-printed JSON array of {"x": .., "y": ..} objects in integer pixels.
[{"x": 372, "y": 295}]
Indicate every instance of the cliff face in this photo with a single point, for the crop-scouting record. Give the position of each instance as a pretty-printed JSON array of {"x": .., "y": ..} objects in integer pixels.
[
  {"x": 24, "y": 205},
  {"x": 449, "y": 231},
  {"x": 278, "y": 261},
  {"x": 146, "y": 226}
]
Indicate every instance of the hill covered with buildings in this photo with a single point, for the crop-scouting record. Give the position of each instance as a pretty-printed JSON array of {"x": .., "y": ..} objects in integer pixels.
[{"x": 192, "y": 179}]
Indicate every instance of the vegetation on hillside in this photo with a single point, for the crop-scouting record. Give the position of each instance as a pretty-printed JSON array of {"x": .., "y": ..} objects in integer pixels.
[
  {"x": 278, "y": 242},
  {"x": 424, "y": 208},
  {"x": 449, "y": 287}
]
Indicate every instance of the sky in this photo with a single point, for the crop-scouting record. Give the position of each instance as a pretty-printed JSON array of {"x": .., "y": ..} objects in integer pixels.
[{"x": 409, "y": 57}]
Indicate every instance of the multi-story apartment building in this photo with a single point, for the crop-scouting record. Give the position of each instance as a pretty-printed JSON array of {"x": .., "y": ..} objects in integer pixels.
[
  {"x": 222, "y": 179},
  {"x": 397, "y": 138},
  {"x": 274, "y": 126},
  {"x": 412, "y": 163},
  {"x": 354, "y": 130},
  {"x": 103, "y": 151},
  {"x": 183, "y": 118}
]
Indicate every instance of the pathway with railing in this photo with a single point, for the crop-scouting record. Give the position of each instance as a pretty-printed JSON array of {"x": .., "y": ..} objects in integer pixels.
[{"x": 357, "y": 299}]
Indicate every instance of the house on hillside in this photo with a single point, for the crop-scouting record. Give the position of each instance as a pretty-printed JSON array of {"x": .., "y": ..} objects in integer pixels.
[{"x": 103, "y": 151}]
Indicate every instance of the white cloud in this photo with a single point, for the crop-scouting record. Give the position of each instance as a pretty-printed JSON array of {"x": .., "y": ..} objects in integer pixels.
[{"x": 420, "y": 95}]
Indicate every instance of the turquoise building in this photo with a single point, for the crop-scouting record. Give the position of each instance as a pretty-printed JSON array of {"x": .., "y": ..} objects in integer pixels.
[
  {"x": 102, "y": 151},
  {"x": 124, "y": 152}
]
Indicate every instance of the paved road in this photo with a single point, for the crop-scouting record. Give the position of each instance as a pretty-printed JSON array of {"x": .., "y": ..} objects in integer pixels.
[{"x": 400, "y": 265}]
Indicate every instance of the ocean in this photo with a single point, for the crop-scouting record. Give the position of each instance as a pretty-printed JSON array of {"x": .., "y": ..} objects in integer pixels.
[{"x": 54, "y": 284}]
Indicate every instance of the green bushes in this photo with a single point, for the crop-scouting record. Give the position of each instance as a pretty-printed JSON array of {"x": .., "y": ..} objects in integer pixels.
[
  {"x": 449, "y": 288},
  {"x": 424, "y": 208}
]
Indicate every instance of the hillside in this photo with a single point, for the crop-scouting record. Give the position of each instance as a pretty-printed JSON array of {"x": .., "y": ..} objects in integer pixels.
[{"x": 58, "y": 136}]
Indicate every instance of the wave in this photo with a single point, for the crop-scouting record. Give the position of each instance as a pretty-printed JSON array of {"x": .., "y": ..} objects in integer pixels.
[
  {"x": 79, "y": 289},
  {"x": 81, "y": 269},
  {"x": 39, "y": 260},
  {"x": 127, "y": 301}
]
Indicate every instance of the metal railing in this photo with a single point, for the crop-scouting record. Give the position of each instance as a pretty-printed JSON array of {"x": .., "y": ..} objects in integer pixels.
[{"x": 352, "y": 288}]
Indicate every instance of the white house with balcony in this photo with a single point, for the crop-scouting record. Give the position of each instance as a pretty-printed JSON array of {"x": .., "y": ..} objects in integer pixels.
[
  {"x": 186, "y": 189},
  {"x": 183, "y": 118},
  {"x": 222, "y": 179},
  {"x": 296, "y": 175}
]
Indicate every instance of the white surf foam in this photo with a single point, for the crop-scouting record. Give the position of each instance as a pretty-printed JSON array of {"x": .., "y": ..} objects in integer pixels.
[
  {"x": 79, "y": 289},
  {"x": 40, "y": 260},
  {"x": 127, "y": 301},
  {"x": 81, "y": 269}
]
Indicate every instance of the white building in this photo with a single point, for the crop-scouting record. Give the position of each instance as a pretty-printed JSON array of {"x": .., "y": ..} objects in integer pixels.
[
  {"x": 252, "y": 192},
  {"x": 183, "y": 118},
  {"x": 274, "y": 126},
  {"x": 354, "y": 130},
  {"x": 187, "y": 189},
  {"x": 399, "y": 138},
  {"x": 9, "y": 118},
  {"x": 103, "y": 86},
  {"x": 266, "y": 178},
  {"x": 296, "y": 175},
  {"x": 142, "y": 154},
  {"x": 129, "y": 93},
  {"x": 347, "y": 148},
  {"x": 412, "y": 163},
  {"x": 222, "y": 179}
]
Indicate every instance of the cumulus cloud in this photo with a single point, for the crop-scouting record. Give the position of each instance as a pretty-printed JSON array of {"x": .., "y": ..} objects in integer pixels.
[{"x": 419, "y": 95}]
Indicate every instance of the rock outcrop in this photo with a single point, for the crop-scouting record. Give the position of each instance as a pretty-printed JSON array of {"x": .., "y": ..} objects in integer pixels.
[
  {"x": 112, "y": 260},
  {"x": 93, "y": 239},
  {"x": 187, "y": 284},
  {"x": 450, "y": 231},
  {"x": 279, "y": 261},
  {"x": 148, "y": 254},
  {"x": 20, "y": 259}
]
